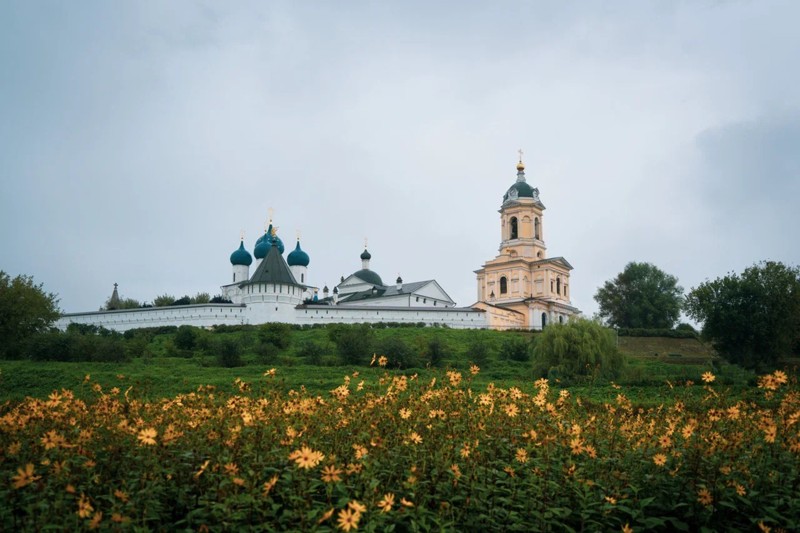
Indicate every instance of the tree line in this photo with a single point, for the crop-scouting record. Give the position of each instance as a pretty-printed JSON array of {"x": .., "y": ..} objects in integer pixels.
[{"x": 751, "y": 318}]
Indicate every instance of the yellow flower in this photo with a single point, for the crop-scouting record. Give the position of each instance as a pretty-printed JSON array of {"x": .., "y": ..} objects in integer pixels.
[
  {"x": 271, "y": 373},
  {"x": 326, "y": 515},
  {"x": 415, "y": 438},
  {"x": 455, "y": 470},
  {"x": 474, "y": 369},
  {"x": 405, "y": 413},
  {"x": 330, "y": 474},
  {"x": 269, "y": 485},
  {"x": 660, "y": 459},
  {"x": 386, "y": 503},
  {"x": 512, "y": 410},
  {"x": 627, "y": 528},
  {"x": 147, "y": 436},
  {"x": 780, "y": 377},
  {"x": 406, "y": 503},
  {"x": 704, "y": 497},
  {"x": 357, "y": 507},
  {"x": 24, "y": 476},
  {"x": 348, "y": 519},
  {"x": 120, "y": 495},
  {"x": 52, "y": 439},
  {"x": 360, "y": 450},
  {"x": 231, "y": 469},
  {"x": 522, "y": 455},
  {"x": 306, "y": 458},
  {"x": 708, "y": 377},
  {"x": 576, "y": 445},
  {"x": 84, "y": 507},
  {"x": 383, "y": 360},
  {"x": 96, "y": 519}
]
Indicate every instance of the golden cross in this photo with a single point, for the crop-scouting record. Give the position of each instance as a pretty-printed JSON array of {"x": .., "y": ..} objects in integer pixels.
[
  {"x": 520, "y": 154},
  {"x": 271, "y": 212},
  {"x": 365, "y": 243},
  {"x": 241, "y": 234}
]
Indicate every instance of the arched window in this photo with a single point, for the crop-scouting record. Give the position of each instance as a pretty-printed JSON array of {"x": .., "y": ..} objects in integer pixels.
[
  {"x": 544, "y": 320},
  {"x": 536, "y": 228},
  {"x": 560, "y": 319},
  {"x": 558, "y": 285},
  {"x": 503, "y": 285},
  {"x": 514, "y": 228}
]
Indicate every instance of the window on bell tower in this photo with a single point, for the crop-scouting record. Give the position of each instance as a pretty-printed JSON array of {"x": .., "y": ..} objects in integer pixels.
[
  {"x": 503, "y": 285},
  {"x": 536, "y": 228},
  {"x": 514, "y": 229}
]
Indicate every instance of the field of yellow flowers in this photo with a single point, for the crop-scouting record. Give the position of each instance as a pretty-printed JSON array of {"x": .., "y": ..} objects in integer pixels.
[{"x": 400, "y": 453}]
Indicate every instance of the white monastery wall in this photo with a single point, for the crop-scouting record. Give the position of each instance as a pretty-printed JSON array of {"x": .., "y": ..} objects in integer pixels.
[{"x": 202, "y": 315}]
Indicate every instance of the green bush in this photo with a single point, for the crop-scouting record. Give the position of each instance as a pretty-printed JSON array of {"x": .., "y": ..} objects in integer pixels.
[
  {"x": 353, "y": 342},
  {"x": 311, "y": 351},
  {"x": 516, "y": 348},
  {"x": 185, "y": 337},
  {"x": 477, "y": 350},
  {"x": 277, "y": 334},
  {"x": 436, "y": 350},
  {"x": 229, "y": 353},
  {"x": 398, "y": 351},
  {"x": 683, "y": 331},
  {"x": 580, "y": 348}
]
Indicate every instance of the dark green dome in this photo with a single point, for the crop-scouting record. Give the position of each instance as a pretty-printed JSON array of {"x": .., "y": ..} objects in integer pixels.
[
  {"x": 369, "y": 276},
  {"x": 241, "y": 256},
  {"x": 298, "y": 257},
  {"x": 519, "y": 190},
  {"x": 366, "y": 255}
]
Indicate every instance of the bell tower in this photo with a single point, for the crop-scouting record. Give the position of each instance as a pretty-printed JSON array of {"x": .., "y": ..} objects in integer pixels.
[
  {"x": 522, "y": 219},
  {"x": 522, "y": 287}
]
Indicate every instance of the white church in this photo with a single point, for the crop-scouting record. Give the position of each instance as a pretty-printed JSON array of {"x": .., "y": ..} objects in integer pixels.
[{"x": 519, "y": 289}]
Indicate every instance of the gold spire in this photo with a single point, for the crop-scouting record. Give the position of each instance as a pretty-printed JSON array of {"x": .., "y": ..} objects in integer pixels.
[{"x": 271, "y": 213}]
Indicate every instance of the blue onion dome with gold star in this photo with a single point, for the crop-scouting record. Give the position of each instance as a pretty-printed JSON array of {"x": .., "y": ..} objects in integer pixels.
[
  {"x": 520, "y": 189},
  {"x": 241, "y": 256},
  {"x": 264, "y": 242},
  {"x": 297, "y": 257}
]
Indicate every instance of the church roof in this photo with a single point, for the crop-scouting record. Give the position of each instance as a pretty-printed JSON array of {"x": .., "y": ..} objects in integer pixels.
[
  {"x": 273, "y": 269},
  {"x": 369, "y": 276}
]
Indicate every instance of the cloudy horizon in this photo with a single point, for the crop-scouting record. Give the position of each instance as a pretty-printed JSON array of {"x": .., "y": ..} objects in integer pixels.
[{"x": 140, "y": 138}]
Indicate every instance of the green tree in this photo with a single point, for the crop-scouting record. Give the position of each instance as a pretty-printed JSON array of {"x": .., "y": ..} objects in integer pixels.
[
  {"x": 25, "y": 309},
  {"x": 201, "y": 298},
  {"x": 752, "y": 319},
  {"x": 641, "y": 296},
  {"x": 580, "y": 348},
  {"x": 163, "y": 300}
]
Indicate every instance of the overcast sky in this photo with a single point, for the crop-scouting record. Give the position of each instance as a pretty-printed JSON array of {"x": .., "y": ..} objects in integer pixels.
[{"x": 137, "y": 139}]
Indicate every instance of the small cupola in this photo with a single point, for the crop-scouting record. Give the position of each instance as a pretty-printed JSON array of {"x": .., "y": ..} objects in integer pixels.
[
  {"x": 298, "y": 257},
  {"x": 241, "y": 256}
]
